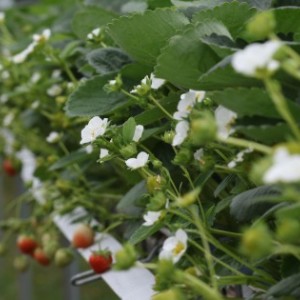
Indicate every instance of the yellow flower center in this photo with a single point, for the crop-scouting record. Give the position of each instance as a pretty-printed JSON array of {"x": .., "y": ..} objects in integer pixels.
[{"x": 178, "y": 248}]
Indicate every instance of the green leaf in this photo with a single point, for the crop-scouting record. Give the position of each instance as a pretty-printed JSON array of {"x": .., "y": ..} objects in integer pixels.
[
  {"x": 108, "y": 60},
  {"x": 73, "y": 157},
  {"x": 142, "y": 36},
  {"x": 233, "y": 15},
  {"x": 128, "y": 130},
  {"x": 144, "y": 232},
  {"x": 288, "y": 288},
  {"x": 288, "y": 21},
  {"x": 222, "y": 76},
  {"x": 261, "y": 4},
  {"x": 245, "y": 102},
  {"x": 253, "y": 203},
  {"x": 268, "y": 134},
  {"x": 90, "y": 99},
  {"x": 153, "y": 4},
  {"x": 291, "y": 212},
  {"x": 186, "y": 57},
  {"x": 128, "y": 204},
  {"x": 290, "y": 265},
  {"x": 90, "y": 18}
]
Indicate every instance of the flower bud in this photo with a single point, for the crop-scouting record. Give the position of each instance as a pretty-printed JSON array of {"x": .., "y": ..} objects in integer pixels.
[
  {"x": 203, "y": 128},
  {"x": 288, "y": 231},
  {"x": 164, "y": 272},
  {"x": 261, "y": 25},
  {"x": 114, "y": 85},
  {"x": 21, "y": 263},
  {"x": 168, "y": 137},
  {"x": 126, "y": 257},
  {"x": 183, "y": 157},
  {"x": 257, "y": 241},
  {"x": 157, "y": 202},
  {"x": 189, "y": 198},
  {"x": 155, "y": 183},
  {"x": 128, "y": 150},
  {"x": 157, "y": 164}
]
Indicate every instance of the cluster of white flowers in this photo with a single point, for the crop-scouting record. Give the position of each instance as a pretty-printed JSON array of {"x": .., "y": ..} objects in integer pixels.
[
  {"x": 174, "y": 247},
  {"x": 256, "y": 57},
  {"x": 36, "y": 40},
  {"x": 155, "y": 83},
  {"x": 28, "y": 161},
  {"x": 96, "y": 127},
  {"x": 239, "y": 158},
  {"x": 224, "y": 119},
  {"x": 184, "y": 107},
  {"x": 285, "y": 167},
  {"x": 140, "y": 161}
]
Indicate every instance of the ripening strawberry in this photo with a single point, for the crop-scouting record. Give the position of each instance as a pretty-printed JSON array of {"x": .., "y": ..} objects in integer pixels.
[
  {"x": 26, "y": 244},
  {"x": 100, "y": 261},
  {"x": 83, "y": 236},
  {"x": 41, "y": 257},
  {"x": 9, "y": 168},
  {"x": 63, "y": 257},
  {"x": 21, "y": 263}
]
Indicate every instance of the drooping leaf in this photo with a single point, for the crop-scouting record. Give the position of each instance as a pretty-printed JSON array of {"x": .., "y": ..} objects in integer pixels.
[
  {"x": 143, "y": 35},
  {"x": 186, "y": 57},
  {"x": 268, "y": 134},
  {"x": 128, "y": 204},
  {"x": 253, "y": 203},
  {"x": 233, "y": 15},
  {"x": 108, "y": 60},
  {"x": 144, "y": 232},
  {"x": 222, "y": 76},
  {"x": 90, "y": 99},
  {"x": 128, "y": 129},
  {"x": 287, "y": 288},
  {"x": 73, "y": 157},
  {"x": 90, "y": 18},
  {"x": 245, "y": 102}
]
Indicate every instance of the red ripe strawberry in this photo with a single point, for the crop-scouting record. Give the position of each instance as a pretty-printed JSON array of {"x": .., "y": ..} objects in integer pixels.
[
  {"x": 40, "y": 256},
  {"x": 27, "y": 244},
  {"x": 100, "y": 261},
  {"x": 83, "y": 236},
  {"x": 9, "y": 168}
]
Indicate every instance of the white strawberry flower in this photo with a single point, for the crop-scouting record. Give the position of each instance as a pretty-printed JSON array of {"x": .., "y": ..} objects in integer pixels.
[
  {"x": 138, "y": 162},
  {"x": 224, "y": 118},
  {"x": 8, "y": 119},
  {"x": 96, "y": 127},
  {"x": 44, "y": 36},
  {"x": 199, "y": 154},
  {"x": 28, "y": 161},
  {"x": 139, "y": 129},
  {"x": 181, "y": 133},
  {"x": 156, "y": 83},
  {"x": 54, "y": 90},
  {"x": 53, "y": 137},
  {"x": 36, "y": 76},
  {"x": 94, "y": 34},
  {"x": 285, "y": 168},
  {"x": 239, "y": 158},
  {"x": 89, "y": 149},
  {"x": 2, "y": 17},
  {"x": 151, "y": 217},
  {"x": 256, "y": 57},
  {"x": 187, "y": 102},
  {"x": 174, "y": 247},
  {"x": 103, "y": 153},
  {"x": 4, "y": 98}
]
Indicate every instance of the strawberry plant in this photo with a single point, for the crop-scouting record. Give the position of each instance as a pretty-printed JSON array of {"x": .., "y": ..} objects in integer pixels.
[{"x": 173, "y": 125}]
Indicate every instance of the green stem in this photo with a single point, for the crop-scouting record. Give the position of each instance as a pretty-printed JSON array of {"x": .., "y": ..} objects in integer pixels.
[
  {"x": 274, "y": 89},
  {"x": 226, "y": 233},
  {"x": 207, "y": 253},
  {"x": 161, "y": 107},
  {"x": 246, "y": 144},
  {"x": 197, "y": 285}
]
